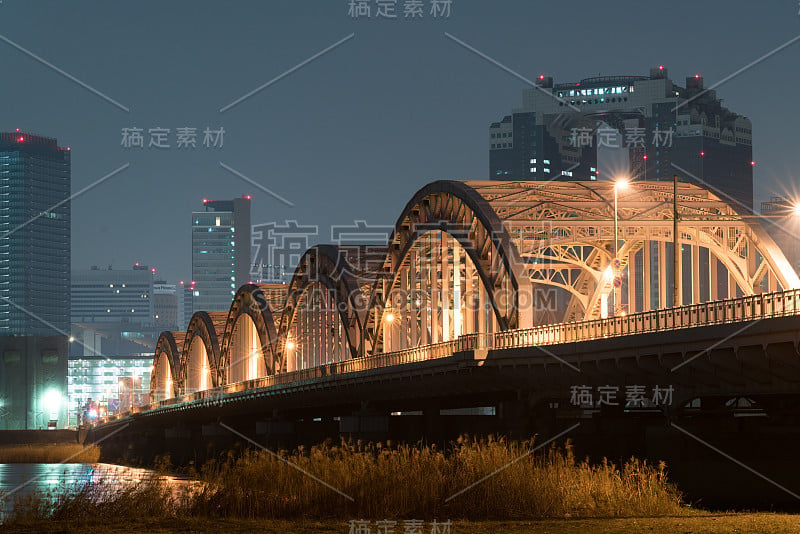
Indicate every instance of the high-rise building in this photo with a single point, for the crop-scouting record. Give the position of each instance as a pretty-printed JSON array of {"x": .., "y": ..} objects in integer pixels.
[
  {"x": 165, "y": 306},
  {"x": 185, "y": 293},
  {"x": 557, "y": 131},
  {"x": 221, "y": 256},
  {"x": 34, "y": 235}
]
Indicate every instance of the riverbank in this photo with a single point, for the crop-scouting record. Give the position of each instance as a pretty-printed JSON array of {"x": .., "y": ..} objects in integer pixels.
[
  {"x": 42, "y": 453},
  {"x": 697, "y": 523}
]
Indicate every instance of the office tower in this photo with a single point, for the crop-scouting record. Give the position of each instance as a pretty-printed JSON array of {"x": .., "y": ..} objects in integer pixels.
[
  {"x": 221, "y": 255},
  {"x": 34, "y": 235},
  {"x": 667, "y": 129}
]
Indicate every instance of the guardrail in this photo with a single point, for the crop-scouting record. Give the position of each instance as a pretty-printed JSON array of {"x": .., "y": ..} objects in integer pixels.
[{"x": 754, "y": 307}]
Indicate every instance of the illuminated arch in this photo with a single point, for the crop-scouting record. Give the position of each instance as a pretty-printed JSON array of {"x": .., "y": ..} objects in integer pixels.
[
  {"x": 564, "y": 232},
  {"x": 249, "y": 343},
  {"x": 165, "y": 379},
  {"x": 201, "y": 351},
  {"x": 455, "y": 210},
  {"x": 325, "y": 300}
]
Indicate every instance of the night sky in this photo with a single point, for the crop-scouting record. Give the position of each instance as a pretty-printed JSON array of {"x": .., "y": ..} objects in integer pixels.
[{"x": 353, "y": 134}]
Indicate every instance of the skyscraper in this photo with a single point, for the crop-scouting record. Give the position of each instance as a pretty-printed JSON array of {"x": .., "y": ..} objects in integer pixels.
[
  {"x": 221, "y": 255},
  {"x": 34, "y": 235},
  {"x": 556, "y": 133}
]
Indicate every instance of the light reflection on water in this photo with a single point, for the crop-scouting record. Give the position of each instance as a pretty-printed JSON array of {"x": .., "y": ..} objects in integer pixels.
[{"x": 54, "y": 480}]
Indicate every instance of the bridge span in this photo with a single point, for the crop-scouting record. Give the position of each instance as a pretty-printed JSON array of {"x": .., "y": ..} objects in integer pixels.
[{"x": 499, "y": 299}]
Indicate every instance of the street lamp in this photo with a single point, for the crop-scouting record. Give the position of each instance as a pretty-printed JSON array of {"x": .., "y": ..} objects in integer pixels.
[{"x": 619, "y": 185}]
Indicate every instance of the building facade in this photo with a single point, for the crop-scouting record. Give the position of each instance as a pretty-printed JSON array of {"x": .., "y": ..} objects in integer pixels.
[
  {"x": 113, "y": 311},
  {"x": 33, "y": 382},
  {"x": 221, "y": 256},
  {"x": 106, "y": 385},
  {"x": 667, "y": 129},
  {"x": 165, "y": 306},
  {"x": 34, "y": 235}
]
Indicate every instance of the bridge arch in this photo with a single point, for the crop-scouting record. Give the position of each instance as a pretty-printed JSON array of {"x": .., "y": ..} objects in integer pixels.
[
  {"x": 249, "y": 342},
  {"x": 165, "y": 378},
  {"x": 323, "y": 317},
  {"x": 564, "y": 232},
  {"x": 466, "y": 227},
  {"x": 201, "y": 351}
]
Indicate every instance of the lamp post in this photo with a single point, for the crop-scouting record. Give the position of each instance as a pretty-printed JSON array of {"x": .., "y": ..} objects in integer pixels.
[
  {"x": 676, "y": 255},
  {"x": 619, "y": 185}
]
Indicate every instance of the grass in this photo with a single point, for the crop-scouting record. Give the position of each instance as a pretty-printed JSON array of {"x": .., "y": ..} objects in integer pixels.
[
  {"x": 367, "y": 480},
  {"x": 48, "y": 453},
  {"x": 697, "y": 523}
]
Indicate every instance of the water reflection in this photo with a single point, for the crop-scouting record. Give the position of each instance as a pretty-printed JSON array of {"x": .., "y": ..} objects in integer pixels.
[{"x": 54, "y": 480}]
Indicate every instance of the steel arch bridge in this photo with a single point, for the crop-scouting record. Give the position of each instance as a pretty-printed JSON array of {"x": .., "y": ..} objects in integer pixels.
[{"x": 478, "y": 257}]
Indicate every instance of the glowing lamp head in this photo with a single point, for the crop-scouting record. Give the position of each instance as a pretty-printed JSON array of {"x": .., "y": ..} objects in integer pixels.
[
  {"x": 796, "y": 209},
  {"x": 389, "y": 317},
  {"x": 620, "y": 184},
  {"x": 702, "y": 153},
  {"x": 290, "y": 345},
  {"x": 608, "y": 274},
  {"x": 52, "y": 401}
]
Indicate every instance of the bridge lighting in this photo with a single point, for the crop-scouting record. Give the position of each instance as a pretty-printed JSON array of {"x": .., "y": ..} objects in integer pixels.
[
  {"x": 796, "y": 209},
  {"x": 609, "y": 273},
  {"x": 389, "y": 317},
  {"x": 621, "y": 183},
  {"x": 290, "y": 345}
]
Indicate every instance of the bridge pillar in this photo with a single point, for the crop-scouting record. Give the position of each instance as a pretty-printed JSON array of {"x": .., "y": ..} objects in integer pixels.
[
  {"x": 515, "y": 418},
  {"x": 432, "y": 423}
]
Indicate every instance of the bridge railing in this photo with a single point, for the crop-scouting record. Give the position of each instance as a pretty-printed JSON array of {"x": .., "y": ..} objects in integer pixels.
[{"x": 753, "y": 307}]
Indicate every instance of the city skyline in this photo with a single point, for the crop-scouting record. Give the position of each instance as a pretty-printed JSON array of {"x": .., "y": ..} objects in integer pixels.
[{"x": 308, "y": 124}]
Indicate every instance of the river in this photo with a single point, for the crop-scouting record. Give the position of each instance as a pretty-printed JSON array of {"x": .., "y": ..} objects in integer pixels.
[{"x": 55, "y": 480}]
